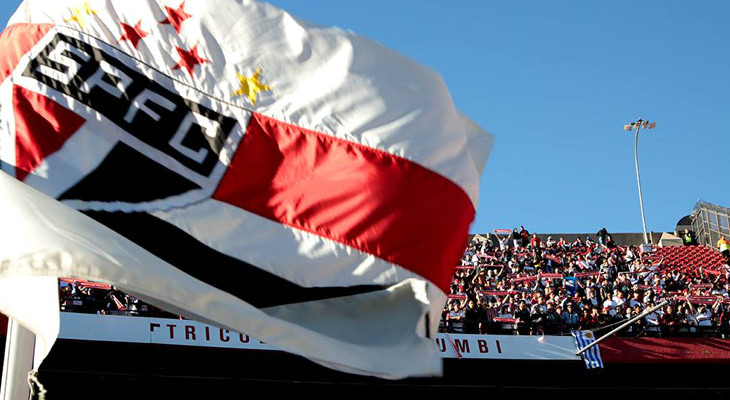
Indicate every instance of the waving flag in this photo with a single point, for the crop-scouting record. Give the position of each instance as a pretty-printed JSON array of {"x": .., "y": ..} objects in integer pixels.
[
  {"x": 226, "y": 161},
  {"x": 592, "y": 356}
]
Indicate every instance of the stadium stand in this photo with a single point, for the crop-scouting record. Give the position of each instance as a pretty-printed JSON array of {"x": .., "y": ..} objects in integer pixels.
[{"x": 549, "y": 284}]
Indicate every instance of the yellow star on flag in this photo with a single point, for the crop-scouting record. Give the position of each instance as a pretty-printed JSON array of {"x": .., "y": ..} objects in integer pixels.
[
  {"x": 79, "y": 14},
  {"x": 250, "y": 87}
]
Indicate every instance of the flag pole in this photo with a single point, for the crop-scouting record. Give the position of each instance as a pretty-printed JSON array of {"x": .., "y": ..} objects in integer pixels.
[
  {"x": 643, "y": 314},
  {"x": 18, "y": 362}
]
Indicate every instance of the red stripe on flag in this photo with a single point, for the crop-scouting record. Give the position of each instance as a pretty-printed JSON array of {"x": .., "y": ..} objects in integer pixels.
[
  {"x": 368, "y": 199},
  {"x": 42, "y": 126},
  {"x": 16, "y": 40}
]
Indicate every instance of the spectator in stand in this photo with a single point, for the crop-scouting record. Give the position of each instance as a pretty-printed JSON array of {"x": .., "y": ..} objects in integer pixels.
[
  {"x": 516, "y": 239},
  {"x": 630, "y": 256},
  {"x": 606, "y": 317},
  {"x": 653, "y": 319},
  {"x": 537, "y": 319},
  {"x": 535, "y": 242},
  {"x": 591, "y": 320},
  {"x": 591, "y": 298},
  {"x": 456, "y": 316},
  {"x": 471, "y": 317},
  {"x": 503, "y": 243},
  {"x": 701, "y": 314},
  {"x": 66, "y": 298},
  {"x": 553, "y": 319},
  {"x": 618, "y": 297},
  {"x": 537, "y": 261},
  {"x": 635, "y": 298},
  {"x": 506, "y": 313},
  {"x": 491, "y": 311},
  {"x": 635, "y": 328},
  {"x": 525, "y": 236},
  {"x": 480, "y": 280},
  {"x": 602, "y": 236},
  {"x": 722, "y": 289},
  {"x": 589, "y": 242},
  {"x": 570, "y": 317},
  {"x": 687, "y": 318},
  {"x": 670, "y": 321},
  {"x": 688, "y": 238},
  {"x": 722, "y": 319},
  {"x": 724, "y": 246},
  {"x": 638, "y": 309}
]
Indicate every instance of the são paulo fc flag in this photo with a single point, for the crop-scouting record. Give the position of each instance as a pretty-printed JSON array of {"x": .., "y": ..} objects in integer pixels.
[{"x": 226, "y": 161}]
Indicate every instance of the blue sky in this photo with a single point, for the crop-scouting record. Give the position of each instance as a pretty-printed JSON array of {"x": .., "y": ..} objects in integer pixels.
[{"x": 555, "y": 81}]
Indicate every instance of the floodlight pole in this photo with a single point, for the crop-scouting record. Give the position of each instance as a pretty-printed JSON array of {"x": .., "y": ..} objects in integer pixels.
[
  {"x": 638, "y": 125},
  {"x": 638, "y": 182}
]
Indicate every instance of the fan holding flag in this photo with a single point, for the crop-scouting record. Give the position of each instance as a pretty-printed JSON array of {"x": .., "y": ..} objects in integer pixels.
[{"x": 202, "y": 155}]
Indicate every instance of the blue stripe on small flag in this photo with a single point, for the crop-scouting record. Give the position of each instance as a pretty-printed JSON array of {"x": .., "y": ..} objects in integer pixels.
[{"x": 592, "y": 356}]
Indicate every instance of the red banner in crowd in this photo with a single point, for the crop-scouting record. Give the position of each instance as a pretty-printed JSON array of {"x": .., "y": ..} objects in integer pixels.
[
  {"x": 494, "y": 292},
  {"x": 94, "y": 285},
  {"x": 118, "y": 303},
  {"x": 700, "y": 286},
  {"x": 706, "y": 300},
  {"x": 656, "y": 289},
  {"x": 86, "y": 284},
  {"x": 505, "y": 320},
  {"x": 525, "y": 279}
]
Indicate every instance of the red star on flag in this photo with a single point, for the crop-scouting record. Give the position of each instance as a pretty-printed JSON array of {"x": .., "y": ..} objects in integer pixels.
[
  {"x": 133, "y": 33},
  {"x": 176, "y": 17},
  {"x": 189, "y": 59}
]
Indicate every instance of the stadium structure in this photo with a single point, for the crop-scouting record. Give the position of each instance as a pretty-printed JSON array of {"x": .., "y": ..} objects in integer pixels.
[{"x": 125, "y": 356}]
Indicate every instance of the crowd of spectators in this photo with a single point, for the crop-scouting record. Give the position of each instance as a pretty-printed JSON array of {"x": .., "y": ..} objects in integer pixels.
[
  {"x": 77, "y": 295},
  {"x": 517, "y": 283}
]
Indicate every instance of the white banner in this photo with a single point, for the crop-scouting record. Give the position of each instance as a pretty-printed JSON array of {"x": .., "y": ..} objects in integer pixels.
[{"x": 192, "y": 333}]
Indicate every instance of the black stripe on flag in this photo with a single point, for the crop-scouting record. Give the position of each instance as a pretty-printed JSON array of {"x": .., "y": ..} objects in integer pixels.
[
  {"x": 128, "y": 176},
  {"x": 240, "y": 279}
]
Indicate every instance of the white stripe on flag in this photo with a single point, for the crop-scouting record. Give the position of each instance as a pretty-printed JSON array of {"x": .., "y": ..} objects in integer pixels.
[{"x": 378, "y": 336}]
